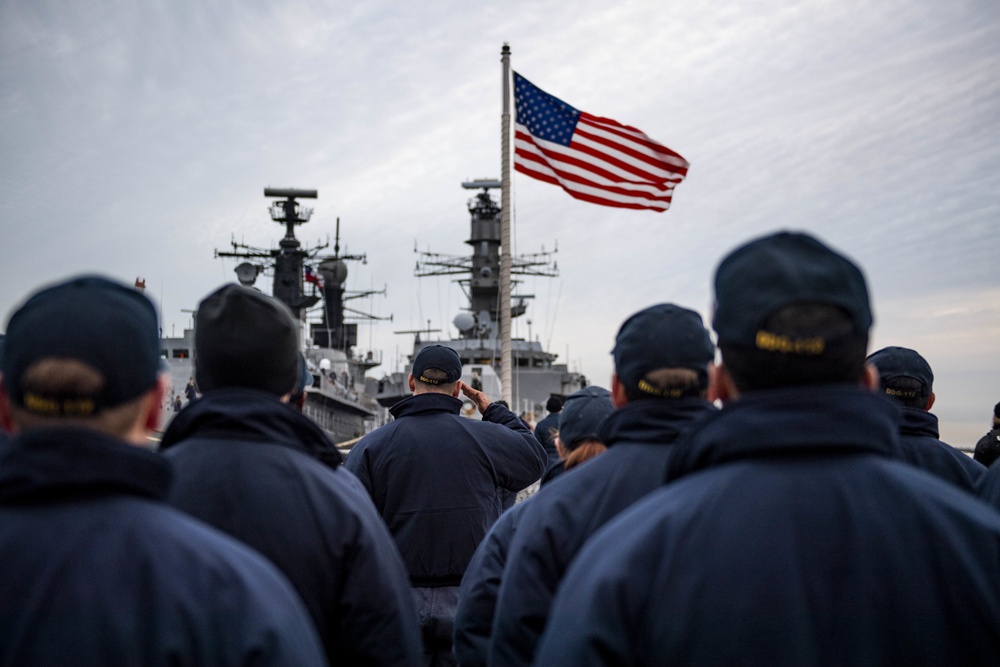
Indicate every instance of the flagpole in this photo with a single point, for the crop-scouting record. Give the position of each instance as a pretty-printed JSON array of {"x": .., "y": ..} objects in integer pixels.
[{"x": 506, "y": 368}]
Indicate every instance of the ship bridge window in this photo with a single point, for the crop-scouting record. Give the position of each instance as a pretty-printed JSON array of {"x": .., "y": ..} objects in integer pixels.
[{"x": 180, "y": 353}]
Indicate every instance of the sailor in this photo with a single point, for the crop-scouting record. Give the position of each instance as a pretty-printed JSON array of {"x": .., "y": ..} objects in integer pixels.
[
  {"x": 988, "y": 447},
  {"x": 662, "y": 357},
  {"x": 437, "y": 479},
  {"x": 95, "y": 569},
  {"x": 579, "y": 422},
  {"x": 906, "y": 377},
  {"x": 787, "y": 534},
  {"x": 248, "y": 464},
  {"x": 546, "y": 428}
]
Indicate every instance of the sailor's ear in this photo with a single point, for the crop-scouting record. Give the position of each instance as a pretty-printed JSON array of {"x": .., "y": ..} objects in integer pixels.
[
  {"x": 869, "y": 378},
  {"x": 618, "y": 397},
  {"x": 930, "y": 402},
  {"x": 154, "y": 402},
  {"x": 412, "y": 384},
  {"x": 711, "y": 393},
  {"x": 721, "y": 385}
]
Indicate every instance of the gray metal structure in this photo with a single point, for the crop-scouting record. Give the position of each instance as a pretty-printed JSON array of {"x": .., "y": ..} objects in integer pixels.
[
  {"x": 337, "y": 400},
  {"x": 535, "y": 375}
]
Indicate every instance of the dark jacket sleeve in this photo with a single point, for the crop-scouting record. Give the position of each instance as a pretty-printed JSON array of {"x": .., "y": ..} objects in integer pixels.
[
  {"x": 517, "y": 457},
  {"x": 478, "y": 594},
  {"x": 989, "y": 485}
]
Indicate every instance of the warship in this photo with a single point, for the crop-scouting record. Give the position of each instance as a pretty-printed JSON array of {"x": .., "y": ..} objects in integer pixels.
[
  {"x": 535, "y": 374},
  {"x": 310, "y": 282}
]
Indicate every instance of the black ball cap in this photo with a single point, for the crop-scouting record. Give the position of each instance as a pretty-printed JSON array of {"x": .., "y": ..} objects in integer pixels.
[
  {"x": 440, "y": 357},
  {"x": 91, "y": 319}
]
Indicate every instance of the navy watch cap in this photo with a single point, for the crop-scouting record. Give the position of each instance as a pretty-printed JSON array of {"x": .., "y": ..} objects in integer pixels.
[{"x": 243, "y": 338}]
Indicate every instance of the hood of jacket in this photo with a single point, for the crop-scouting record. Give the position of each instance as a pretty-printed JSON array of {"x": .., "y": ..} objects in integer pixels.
[
  {"x": 653, "y": 422},
  {"x": 914, "y": 421},
  {"x": 423, "y": 403},
  {"x": 52, "y": 461},
  {"x": 250, "y": 415},
  {"x": 801, "y": 421}
]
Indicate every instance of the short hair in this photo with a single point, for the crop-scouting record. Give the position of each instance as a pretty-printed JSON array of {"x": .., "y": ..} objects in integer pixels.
[
  {"x": 554, "y": 404},
  {"x": 667, "y": 383},
  {"x": 911, "y": 392},
  {"x": 62, "y": 378},
  {"x": 841, "y": 360}
]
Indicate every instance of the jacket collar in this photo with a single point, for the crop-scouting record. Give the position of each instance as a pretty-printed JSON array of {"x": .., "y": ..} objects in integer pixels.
[
  {"x": 653, "y": 422},
  {"x": 914, "y": 421},
  {"x": 45, "y": 462},
  {"x": 792, "y": 422},
  {"x": 252, "y": 416},
  {"x": 424, "y": 403}
]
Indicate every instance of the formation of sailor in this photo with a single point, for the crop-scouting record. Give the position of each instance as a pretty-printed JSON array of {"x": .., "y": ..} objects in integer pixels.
[{"x": 792, "y": 504}]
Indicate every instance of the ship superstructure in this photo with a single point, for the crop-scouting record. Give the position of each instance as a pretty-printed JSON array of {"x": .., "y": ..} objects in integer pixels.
[
  {"x": 309, "y": 280},
  {"x": 536, "y": 375}
]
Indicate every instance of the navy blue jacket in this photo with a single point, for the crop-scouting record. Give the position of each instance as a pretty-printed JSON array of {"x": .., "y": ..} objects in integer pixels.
[
  {"x": 919, "y": 445},
  {"x": 986, "y": 447},
  {"x": 436, "y": 478},
  {"x": 640, "y": 437},
  {"x": 788, "y": 536},
  {"x": 95, "y": 569},
  {"x": 243, "y": 464},
  {"x": 988, "y": 487}
]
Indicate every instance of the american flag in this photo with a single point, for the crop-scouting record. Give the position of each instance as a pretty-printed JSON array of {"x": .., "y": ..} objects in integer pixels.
[{"x": 592, "y": 158}]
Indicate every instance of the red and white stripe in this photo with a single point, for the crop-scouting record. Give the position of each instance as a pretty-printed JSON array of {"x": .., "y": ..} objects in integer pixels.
[{"x": 605, "y": 163}]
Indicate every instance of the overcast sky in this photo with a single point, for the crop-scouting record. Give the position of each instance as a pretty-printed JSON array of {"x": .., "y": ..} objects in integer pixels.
[{"x": 137, "y": 137}]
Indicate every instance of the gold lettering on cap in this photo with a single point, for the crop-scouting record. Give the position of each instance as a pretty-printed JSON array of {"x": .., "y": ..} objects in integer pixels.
[
  {"x": 648, "y": 388},
  {"x": 772, "y": 342},
  {"x": 69, "y": 407}
]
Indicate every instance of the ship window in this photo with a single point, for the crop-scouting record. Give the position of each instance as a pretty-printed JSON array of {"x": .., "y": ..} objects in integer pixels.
[{"x": 180, "y": 353}]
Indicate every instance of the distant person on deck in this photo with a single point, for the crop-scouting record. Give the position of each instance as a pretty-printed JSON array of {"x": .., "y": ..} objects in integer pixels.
[
  {"x": 787, "y": 533},
  {"x": 95, "y": 568},
  {"x": 255, "y": 467},
  {"x": 190, "y": 391},
  {"x": 906, "y": 377},
  {"x": 988, "y": 448},
  {"x": 546, "y": 428},
  {"x": 438, "y": 479}
]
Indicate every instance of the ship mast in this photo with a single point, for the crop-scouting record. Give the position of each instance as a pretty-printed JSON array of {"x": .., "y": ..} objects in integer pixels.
[{"x": 288, "y": 262}]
